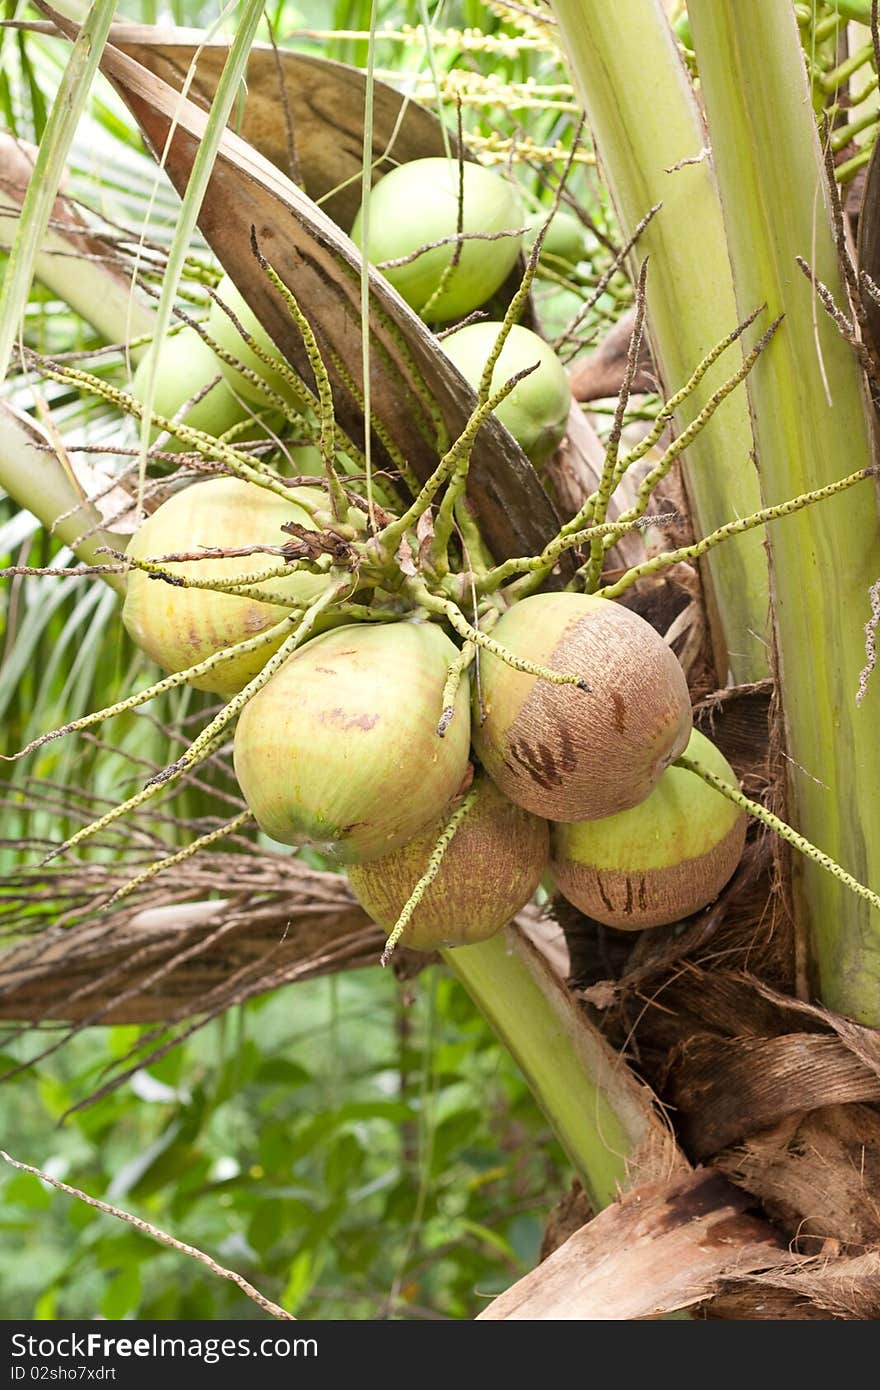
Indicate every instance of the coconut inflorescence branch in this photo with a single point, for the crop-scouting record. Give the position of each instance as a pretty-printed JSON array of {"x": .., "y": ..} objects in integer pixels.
[
  {"x": 601, "y": 498},
  {"x": 799, "y": 842},
  {"x": 591, "y": 516}
]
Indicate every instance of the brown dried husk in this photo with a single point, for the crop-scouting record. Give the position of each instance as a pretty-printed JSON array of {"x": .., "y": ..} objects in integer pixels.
[
  {"x": 489, "y": 871},
  {"x": 779, "y": 1095}
]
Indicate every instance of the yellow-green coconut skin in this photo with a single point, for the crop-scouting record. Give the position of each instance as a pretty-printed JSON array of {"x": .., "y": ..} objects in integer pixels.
[
  {"x": 179, "y": 627},
  {"x": 185, "y": 367},
  {"x": 490, "y": 870},
  {"x": 536, "y": 411},
  {"x": 568, "y": 754},
  {"x": 660, "y": 861},
  {"x": 340, "y": 748},
  {"x": 224, "y": 332},
  {"x": 415, "y": 205}
]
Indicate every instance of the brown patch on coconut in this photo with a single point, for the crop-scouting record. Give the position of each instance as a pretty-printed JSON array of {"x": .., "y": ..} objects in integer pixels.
[
  {"x": 565, "y": 753},
  {"x": 651, "y": 897}
]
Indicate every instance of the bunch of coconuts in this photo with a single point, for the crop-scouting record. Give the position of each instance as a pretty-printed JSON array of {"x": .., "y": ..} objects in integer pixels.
[
  {"x": 448, "y": 776},
  {"x": 449, "y": 279},
  {"x": 575, "y": 780},
  {"x": 202, "y": 389}
]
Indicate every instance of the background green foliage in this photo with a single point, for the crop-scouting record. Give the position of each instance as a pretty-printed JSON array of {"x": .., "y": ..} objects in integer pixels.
[{"x": 355, "y": 1147}]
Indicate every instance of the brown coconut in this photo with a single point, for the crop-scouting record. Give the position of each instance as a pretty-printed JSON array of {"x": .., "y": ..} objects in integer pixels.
[
  {"x": 490, "y": 870},
  {"x": 568, "y": 754}
]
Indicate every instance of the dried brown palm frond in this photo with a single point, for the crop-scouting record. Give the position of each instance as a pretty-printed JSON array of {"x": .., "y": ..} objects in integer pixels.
[
  {"x": 690, "y": 1243},
  {"x": 168, "y": 952}
]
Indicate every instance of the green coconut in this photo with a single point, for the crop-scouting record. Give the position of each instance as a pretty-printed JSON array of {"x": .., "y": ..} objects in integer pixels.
[
  {"x": 179, "y": 627},
  {"x": 660, "y": 861},
  {"x": 536, "y": 411},
  {"x": 490, "y": 870},
  {"x": 186, "y": 365},
  {"x": 415, "y": 205},
  {"x": 226, "y": 335},
  {"x": 567, "y": 754},
  {"x": 564, "y": 239},
  {"x": 340, "y": 748}
]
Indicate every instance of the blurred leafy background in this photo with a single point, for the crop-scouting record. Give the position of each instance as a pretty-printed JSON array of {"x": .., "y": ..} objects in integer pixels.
[{"x": 354, "y": 1147}]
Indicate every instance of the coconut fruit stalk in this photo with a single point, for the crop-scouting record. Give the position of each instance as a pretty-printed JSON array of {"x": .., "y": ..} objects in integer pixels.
[
  {"x": 568, "y": 754},
  {"x": 491, "y": 868},
  {"x": 179, "y": 627},
  {"x": 660, "y": 861},
  {"x": 340, "y": 750}
]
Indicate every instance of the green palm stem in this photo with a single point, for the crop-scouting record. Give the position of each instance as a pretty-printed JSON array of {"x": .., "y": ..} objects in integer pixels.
[
  {"x": 811, "y": 429},
  {"x": 603, "y": 1117},
  {"x": 644, "y": 119}
]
